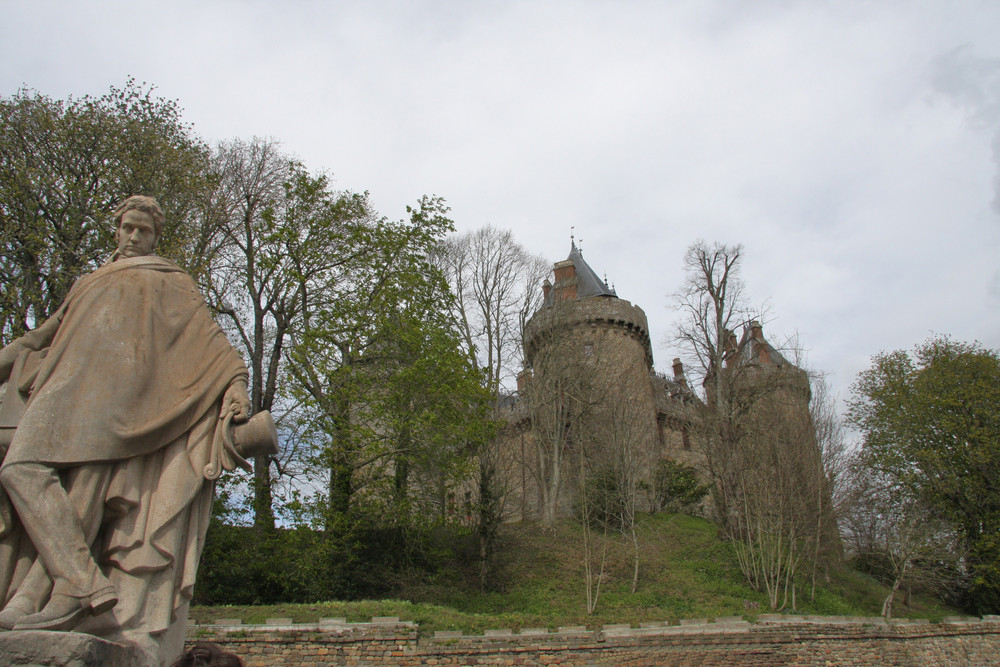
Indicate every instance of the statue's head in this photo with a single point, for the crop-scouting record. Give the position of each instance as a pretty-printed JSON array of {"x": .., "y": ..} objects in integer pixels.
[{"x": 138, "y": 226}]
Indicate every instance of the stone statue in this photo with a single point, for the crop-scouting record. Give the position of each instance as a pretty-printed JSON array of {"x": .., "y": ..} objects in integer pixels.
[{"x": 123, "y": 402}]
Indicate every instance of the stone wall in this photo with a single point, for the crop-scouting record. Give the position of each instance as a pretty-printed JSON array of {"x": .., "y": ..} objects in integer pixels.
[{"x": 772, "y": 640}]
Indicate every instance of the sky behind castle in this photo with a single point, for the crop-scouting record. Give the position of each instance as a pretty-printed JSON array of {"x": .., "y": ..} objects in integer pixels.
[{"x": 851, "y": 147}]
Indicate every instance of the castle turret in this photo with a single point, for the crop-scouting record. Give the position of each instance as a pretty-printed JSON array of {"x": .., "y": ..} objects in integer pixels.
[
  {"x": 593, "y": 304},
  {"x": 590, "y": 357}
]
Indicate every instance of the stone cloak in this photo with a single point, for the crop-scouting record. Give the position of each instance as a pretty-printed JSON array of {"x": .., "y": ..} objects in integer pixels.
[{"x": 135, "y": 362}]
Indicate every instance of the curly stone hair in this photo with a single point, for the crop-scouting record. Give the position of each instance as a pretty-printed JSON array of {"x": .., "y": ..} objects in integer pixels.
[{"x": 144, "y": 204}]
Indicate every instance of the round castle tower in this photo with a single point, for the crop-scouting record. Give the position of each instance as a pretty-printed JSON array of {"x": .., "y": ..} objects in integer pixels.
[
  {"x": 581, "y": 300},
  {"x": 588, "y": 347}
]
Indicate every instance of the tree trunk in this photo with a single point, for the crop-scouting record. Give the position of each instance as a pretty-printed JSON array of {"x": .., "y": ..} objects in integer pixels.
[
  {"x": 341, "y": 471},
  {"x": 887, "y": 605},
  {"x": 263, "y": 507},
  {"x": 635, "y": 569}
]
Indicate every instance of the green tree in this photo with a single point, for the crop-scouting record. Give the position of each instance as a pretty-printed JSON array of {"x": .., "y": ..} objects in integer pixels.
[
  {"x": 379, "y": 366},
  {"x": 931, "y": 422},
  {"x": 64, "y": 166},
  {"x": 431, "y": 406},
  {"x": 282, "y": 240},
  {"x": 676, "y": 487}
]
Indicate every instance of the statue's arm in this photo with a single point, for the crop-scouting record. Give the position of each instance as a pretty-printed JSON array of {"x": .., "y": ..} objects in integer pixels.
[{"x": 36, "y": 339}]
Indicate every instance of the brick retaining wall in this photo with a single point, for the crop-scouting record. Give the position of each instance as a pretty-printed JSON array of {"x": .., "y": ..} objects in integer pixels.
[{"x": 772, "y": 640}]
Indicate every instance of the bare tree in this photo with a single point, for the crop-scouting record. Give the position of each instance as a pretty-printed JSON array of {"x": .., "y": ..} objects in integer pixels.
[
  {"x": 496, "y": 285},
  {"x": 561, "y": 400},
  {"x": 609, "y": 459},
  {"x": 778, "y": 471},
  {"x": 593, "y": 506},
  {"x": 897, "y": 537},
  {"x": 282, "y": 243},
  {"x": 622, "y": 458},
  {"x": 712, "y": 304},
  {"x": 589, "y": 447},
  {"x": 830, "y": 480},
  {"x": 770, "y": 489},
  {"x": 497, "y": 288},
  {"x": 240, "y": 286}
]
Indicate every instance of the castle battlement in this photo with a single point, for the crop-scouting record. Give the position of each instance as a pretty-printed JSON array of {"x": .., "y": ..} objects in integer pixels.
[{"x": 610, "y": 313}]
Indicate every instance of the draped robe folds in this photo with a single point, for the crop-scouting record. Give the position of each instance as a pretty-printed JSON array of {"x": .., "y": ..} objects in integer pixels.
[{"x": 125, "y": 403}]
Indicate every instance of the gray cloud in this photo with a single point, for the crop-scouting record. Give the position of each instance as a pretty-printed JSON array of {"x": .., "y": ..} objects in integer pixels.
[
  {"x": 847, "y": 145},
  {"x": 973, "y": 82}
]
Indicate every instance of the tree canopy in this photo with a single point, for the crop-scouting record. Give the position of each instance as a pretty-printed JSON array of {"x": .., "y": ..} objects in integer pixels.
[
  {"x": 340, "y": 314},
  {"x": 64, "y": 166},
  {"x": 930, "y": 421}
]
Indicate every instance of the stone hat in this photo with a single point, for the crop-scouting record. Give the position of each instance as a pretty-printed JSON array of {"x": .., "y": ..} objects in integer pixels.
[{"x": 256, "y": 437}]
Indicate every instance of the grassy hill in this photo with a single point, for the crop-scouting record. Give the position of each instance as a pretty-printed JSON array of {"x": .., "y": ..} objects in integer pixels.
[{"x": 685, "y": 571}]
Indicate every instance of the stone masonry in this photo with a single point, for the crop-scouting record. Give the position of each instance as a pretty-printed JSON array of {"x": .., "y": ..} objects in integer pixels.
[
  {"x": 773, "y": 640},
  {"x": 587, "y": 343}
]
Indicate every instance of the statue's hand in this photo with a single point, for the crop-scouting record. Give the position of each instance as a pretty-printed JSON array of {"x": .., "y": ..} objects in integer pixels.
[{"x": 237, "y": 401}]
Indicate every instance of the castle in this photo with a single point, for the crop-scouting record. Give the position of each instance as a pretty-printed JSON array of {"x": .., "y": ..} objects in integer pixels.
[{"x": 589, "y": 401}]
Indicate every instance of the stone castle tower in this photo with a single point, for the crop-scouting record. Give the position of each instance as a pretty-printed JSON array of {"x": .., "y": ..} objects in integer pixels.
[
  {"x": 591, "y": 416},
  {"x": 589, "y": 392},
  {"x": 778, "y": 449}
]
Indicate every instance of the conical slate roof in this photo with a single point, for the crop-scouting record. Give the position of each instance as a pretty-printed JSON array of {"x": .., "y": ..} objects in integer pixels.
[{"x": 588, "y": 283}]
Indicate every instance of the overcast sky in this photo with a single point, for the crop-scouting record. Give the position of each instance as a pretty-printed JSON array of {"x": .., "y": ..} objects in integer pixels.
[{"x": 851, "y": 147}]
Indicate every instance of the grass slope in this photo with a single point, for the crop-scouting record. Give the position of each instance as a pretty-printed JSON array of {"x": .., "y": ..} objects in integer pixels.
[{"x": 685, "y": 571}]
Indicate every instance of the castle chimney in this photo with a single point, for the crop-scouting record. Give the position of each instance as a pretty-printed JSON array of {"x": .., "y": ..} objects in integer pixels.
[
  {"x": 730, "y": 347},
  {"x": 679, "y": 373},
  {"x": 546, "y": 288},
  {"x": 760, "y": 351},
  {"x": 524, "y": 379},
  {"x": 565, "y": 275}
]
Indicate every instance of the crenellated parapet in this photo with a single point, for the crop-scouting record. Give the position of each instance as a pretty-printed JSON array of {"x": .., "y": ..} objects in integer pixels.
[{"x": 609, "y": 314}]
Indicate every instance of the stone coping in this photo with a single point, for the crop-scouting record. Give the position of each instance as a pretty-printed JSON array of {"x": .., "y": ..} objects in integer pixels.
[
  {"x": 700, "y": 625},
  {"x": 288, "y": 623}
]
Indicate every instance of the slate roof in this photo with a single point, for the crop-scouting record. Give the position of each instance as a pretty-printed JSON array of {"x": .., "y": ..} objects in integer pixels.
[{"x": 587, "y": 281}]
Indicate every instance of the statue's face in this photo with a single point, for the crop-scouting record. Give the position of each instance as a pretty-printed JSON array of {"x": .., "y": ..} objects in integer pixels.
[{"x": 136, "y": 235}]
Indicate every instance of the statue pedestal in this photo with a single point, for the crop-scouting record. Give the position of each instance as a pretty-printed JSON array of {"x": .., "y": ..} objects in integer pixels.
[{"x": 35, "y": 648}]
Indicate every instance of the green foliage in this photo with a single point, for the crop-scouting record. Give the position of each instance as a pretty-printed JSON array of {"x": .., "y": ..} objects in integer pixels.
[
  {"x": 688, "y": 572},
  {"x": 64, "y": 166},
  {"x": 394, "y": 407},
  {"x": 345, "y": 324},
  {"x": 931, "y": 422},
  {"x": 676, "y": 487},
  {"x": 353, "y": 560},
  {"x": 604, "y": 500}
]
